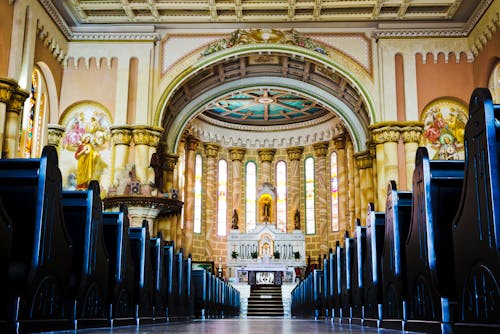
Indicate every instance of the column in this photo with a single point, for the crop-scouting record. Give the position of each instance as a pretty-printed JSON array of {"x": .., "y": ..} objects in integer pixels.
[
  {"x": 54, "y": 135},
  {"x": 364, "y": 163},
  {"x": 191, "y": 146},
  {"x": 142, "y": 141},
  {"x": 180, "y": 184},
  {"x": 121, "y": 136},
  {"x": 320, "y": 151},
  {"x": 372, "y": 174},
  {"x": 211, "y": 152},
  {"x": 294, "y": 155},
  {"x": 386, "y": 136},
  {"x": 266, "y": 157},
  {"x": 342, "y": 179},
  {"x": 351, "y": 185},
  {"x": 236, "y": 155},
  {"x": 410, "y": 132},
  {"x": 7, "y": 89},
  {"x": 12, "y": 123},
  {"x": 170, "y": 222}
]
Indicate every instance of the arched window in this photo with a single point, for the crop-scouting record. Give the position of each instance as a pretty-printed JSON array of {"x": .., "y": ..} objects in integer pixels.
[
  {"x": 310, "y": 204},
  {"x": 222, "y": 198},
  {"x": 494, "y": 84},
  {"x": 34, "y": 118},
  {"x": 182, "y": 180},
  {"x": 334, "y": 188},
  {"x": 251, "y": 195},
  {"x": 281, "y": 195},
  {"x": 198, "y": 165}
]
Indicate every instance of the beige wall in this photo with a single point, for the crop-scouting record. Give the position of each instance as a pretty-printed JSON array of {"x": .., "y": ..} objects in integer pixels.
[
  {"x": 486, "y": 60},
  {"x": 5, "y": 35},
  {"x": 42, "y": 54}
]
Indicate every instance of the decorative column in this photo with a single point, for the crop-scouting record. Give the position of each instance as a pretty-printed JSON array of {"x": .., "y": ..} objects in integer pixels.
[
  {"x": 7, "y": 89},
  {"x": 14, "y": 108},
  {"x": 294, "y": 155},
  {"x": 364, "y": 164},
  {"x": 168, "y": 223},
  {"x": 266, "y": 157},
  {"x": 191, "y": 146},
  {"x": 386, "y": 137},
  {"x": 169, "y": 168},
  {"x": 410, "y": 132},
  {"x": 342, "y": 180},
  {"x": 211, "y": 152},
  {"x": 121, "y": 136},
  {"x": 54, "y": 135},
  {"x": 320, "y": 151},
  {"x": 177, "y": 232},
  {"x": 236, "y": 155},
  {"x": 141, "y": 161},
  {"x": 372, "y": 174},
  {"x": 351, "y": 185}
]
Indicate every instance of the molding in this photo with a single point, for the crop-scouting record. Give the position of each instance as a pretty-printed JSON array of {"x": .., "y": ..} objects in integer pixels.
[
  {"x": 58, "y": 19},
  {"x": 116, "y": 36}
]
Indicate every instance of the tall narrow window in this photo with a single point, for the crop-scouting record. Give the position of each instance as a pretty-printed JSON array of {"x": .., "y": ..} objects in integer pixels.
[
  {"x": 33, "y": 120},
  {"x": 251, "y": 195},
  {"x": 222, "y": 198},
  {"x": 281, "y": 198},
  {"x": 198, "y": 163},
  {"x": 334, "y": 188},
  {"x": 310, "y": 204},
  {"x": 182, "y": 180}
]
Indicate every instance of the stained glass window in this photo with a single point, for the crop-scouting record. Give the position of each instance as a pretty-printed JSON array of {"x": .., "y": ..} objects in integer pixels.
[
  {"x": 334, "y": 188},
  {"x": 33, "y": 121},
  {"x": 281, "y": 195},
  {"x": 198, "y": 164},
  {"x": 310, "y": 204},
  {"x": 251, "y": 195},
  {"x": 222, "y": 198}
]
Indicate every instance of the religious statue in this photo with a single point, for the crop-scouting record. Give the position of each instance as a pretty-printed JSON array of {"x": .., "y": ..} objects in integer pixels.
[
  {"x": 234, "y": 225},
  {"x": 157, "y": 164},
  {"x": 87, "y": 158},
  {"x": 296, "y": 219},
  {"x": 266, "y": 208}
]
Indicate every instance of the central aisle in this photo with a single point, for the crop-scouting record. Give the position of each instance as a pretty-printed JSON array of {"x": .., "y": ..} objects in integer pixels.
[{"x": 243, "y": 326}]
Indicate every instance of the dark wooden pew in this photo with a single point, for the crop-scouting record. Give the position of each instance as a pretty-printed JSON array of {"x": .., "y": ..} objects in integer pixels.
[
  {"x": 337, "y": 284},
  {"x": 160, "y": 282},
  {"x": 372, "y": 277},
  {"x": 476, "y": 227},
  {"x": 169, "y": 251},
  {"x": 201, "y": 285},
  {"x": 144, "y": 276},
  {"x": 397, "y": 223},
  {"x": 437, "y": 186},
  {"x": 346, "y": 272},
  {"x": 317, "y": 292},
  {"x": 327, "y": 300},
  {"x": 40, "y": 261},
  {"x": 122, "y": 269},
  {"x": 6, "y": 226},
  {"x": 188, "y": 272},
  {"x": 90, "y": 270},
  {"x": 357, "y": 285}
]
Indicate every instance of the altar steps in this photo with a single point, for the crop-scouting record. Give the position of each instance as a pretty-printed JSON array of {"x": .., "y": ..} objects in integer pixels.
[{"x": 265, "y": 301}]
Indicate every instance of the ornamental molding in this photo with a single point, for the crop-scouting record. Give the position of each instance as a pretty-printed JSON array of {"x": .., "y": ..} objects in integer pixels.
[
  {"x": 295, "y": 153},
  {"x": 266, "y": 155},
  {"x": 485, "y": 29},
  {"x": 385, "y": 132},
  {"x": 7, "y": 88},
  {"x": 56, "y": 16},
  {"x": 321, "y": 149},
  {"x": 211, "y": 150},
  {"x": 116, "y": 36},
  {"x": 121, "y": 135},
  {"x": 170, "y": 162},
  {"x": 363, "y": 160},
  {"x": 237, "y": 153},
  {"x": 411, "y": 131}
]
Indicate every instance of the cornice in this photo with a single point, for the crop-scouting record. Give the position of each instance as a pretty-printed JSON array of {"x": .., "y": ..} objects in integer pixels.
[
  {"x": 116, "y": 36},
  {"x": 58, "y": 19}
]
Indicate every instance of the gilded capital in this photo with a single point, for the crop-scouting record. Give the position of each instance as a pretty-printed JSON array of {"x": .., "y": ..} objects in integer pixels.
[
  {"x": 55, "y": 134},
  {"x": 411, "y": 132},
  {"x": 237, "y": 153},
  {"x": 266, "y": 155},
  {"x": 121, "y": 135},
  {"x": 295, "y": 153},
  {"x": 141, "y": 135},
  {"x": 192, "y": 143},
  {"x": 385, "y": 132},
  {"x": 155, "y": 136},
  {"x": 7, "y": 88},
  {"x": 372, "y": 148},
  {"x": 363, "y": 160},
  {"x": 339, "y": 142},
  {"x": 211, "y": 150},
  {"x": 321, "y": 149},
  {"x": 170, "y": 161},
  {"x": 17, "y": 99}
]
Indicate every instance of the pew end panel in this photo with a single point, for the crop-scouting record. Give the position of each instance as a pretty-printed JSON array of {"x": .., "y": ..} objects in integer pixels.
[
  {"x": 357, "y": 305},
  {"x": 346, "y": 272},
  {"x": 160, "y": 278}
]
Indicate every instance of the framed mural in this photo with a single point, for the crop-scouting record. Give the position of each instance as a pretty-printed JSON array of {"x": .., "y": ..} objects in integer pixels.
[
  {"x": 444, "y": 126},
  {"x": 86, "y": 146}
]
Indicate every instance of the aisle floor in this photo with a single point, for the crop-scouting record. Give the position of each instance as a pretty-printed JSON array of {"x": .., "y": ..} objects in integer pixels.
[{"x": 241, "y": 326}]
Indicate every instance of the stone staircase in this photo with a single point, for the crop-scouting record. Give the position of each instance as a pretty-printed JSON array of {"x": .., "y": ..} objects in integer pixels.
[{"x": 265, "y": 301}]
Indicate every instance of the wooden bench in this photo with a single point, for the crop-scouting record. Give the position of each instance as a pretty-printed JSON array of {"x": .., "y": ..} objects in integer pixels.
[
  {"x": 372, "y": 274},
  {"x": 200, "y": 281},
  {"x": 160, "y": 282},
  {"x": 122, "y": 269},
  {"x": 327, "y": 292},
  {"x": 337, "y": 284},
  {"x": 346, "y": 272},
  {"x": 6, "y": 231},
  {"x": 357, "y": 270},
  {"x": 437, "y": 185},
  {"x": 41, "y": 251},
  {"x": 397, "y": 223},
  {"x": 476, "y": 227}
]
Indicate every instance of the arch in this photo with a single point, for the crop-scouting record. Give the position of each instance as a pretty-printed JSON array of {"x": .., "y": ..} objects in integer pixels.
[
  {"x": 52, "y": 92},
  {"x": 192, "y": 109},
  {"x": 350, "y": 70}
]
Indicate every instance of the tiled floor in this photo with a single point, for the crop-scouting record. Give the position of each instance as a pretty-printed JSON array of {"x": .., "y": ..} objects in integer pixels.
[{"x": 242, "y": 326}]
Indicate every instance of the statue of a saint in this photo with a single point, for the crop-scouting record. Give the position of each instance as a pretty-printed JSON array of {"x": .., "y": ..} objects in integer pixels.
[
  {"x": 266, "y": 208},
  {"x": 296, "y": 219},
  {"x": 87, "y": 161},
  {"x": 156, "y": 165},
  {"x": 234, "y": 225}
]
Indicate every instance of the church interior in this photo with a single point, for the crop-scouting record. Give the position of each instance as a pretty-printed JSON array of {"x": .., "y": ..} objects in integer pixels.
[{"x": 165, "y": 161}]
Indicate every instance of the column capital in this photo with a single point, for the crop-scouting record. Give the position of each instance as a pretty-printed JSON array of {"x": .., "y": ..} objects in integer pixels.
[
  {"x": 7, "y": 88},
  {"x": 211, "y": 150},
  {"x": 363, "y": 160},
  {"x": 237, "y": 153},
  {"x": 146, "y": 135},
  {"x": 17, "y": 99},
  {"x": 385, "y": 132},
  {"x": 121, "y": 135},
  {"x": 54, "y": 134},
  {"x": 192, "y": 143},
  {"x": 411, "y": 131},
  {"x": 295, "y": 153},
  {"x": 321, "y": 149},
  {"x": 267, "y": 154},
  {"x": 372, "y": 148},
  {"x": 170, "y": 161},
  {"x": 339, "y": 141}
]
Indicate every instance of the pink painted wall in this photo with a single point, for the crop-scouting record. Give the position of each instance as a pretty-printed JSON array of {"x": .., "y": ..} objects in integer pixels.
[{"x": 5, "y": 35}]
